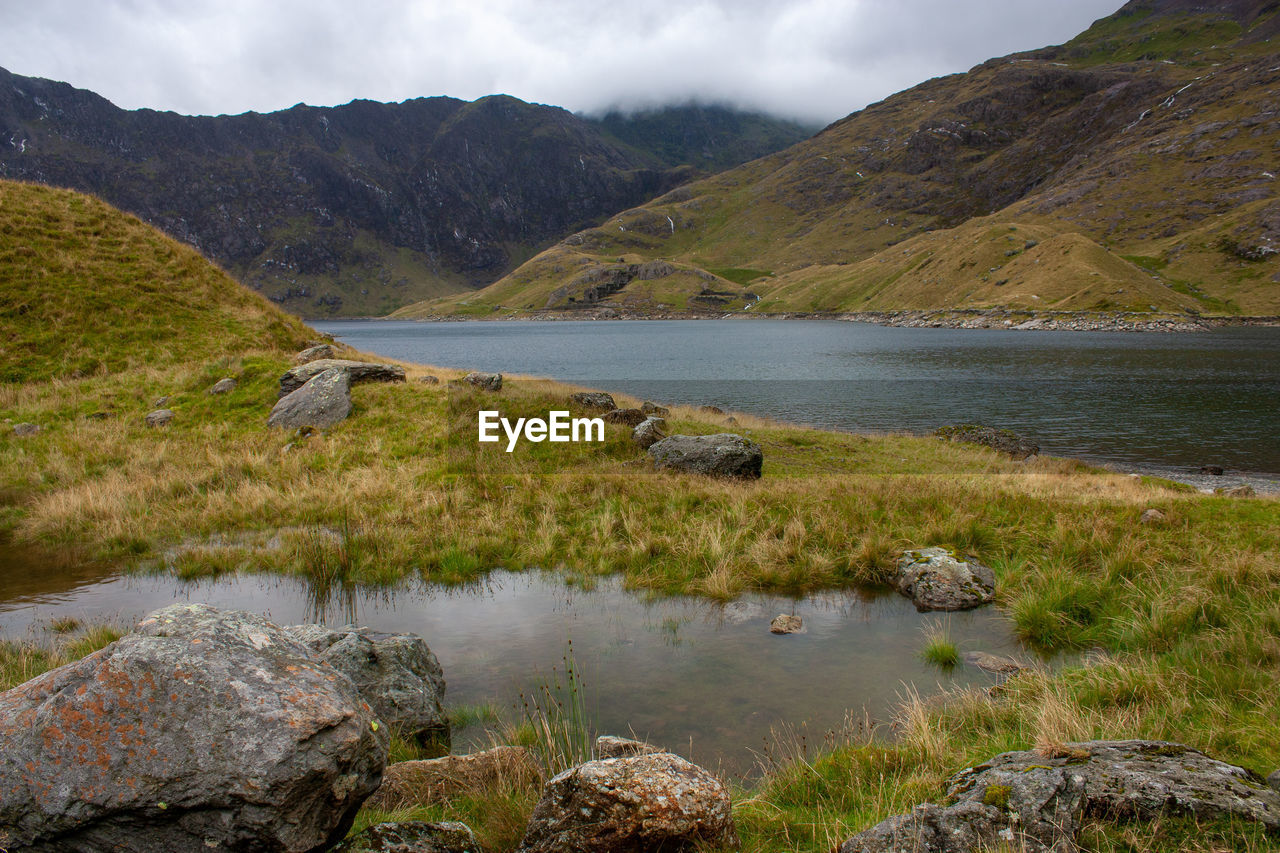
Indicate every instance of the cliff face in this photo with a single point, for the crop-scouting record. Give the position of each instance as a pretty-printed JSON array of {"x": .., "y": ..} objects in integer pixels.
[{"x": 354, "y": 209}]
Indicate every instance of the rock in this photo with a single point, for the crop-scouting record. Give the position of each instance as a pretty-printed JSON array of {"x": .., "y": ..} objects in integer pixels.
[
  {"x": 314, "y": 353},
  {"x": 992, "y": 663},
  {"x": 1244, "y": 490},
  {"x": 935, "y": 580},
  {"x": 395, "y": 673},
  {"x": 429, "y": 380},
  {"x": 159, "y": 418},
  {"x": 594, "y": 400},
  {"x": 222, "y": 386},
  {"x": 434, "y": 780},
  {"x": 611, "y": 746},
  {"x": 201, "y": 729},
  {"x": 1034, "y": 802},
  {"x": 484, "y": 381},
  {"x": 786, "y": 623},
  {"x": 712, "y": 410},
  {"x": 160, "y": 402},
  {"x": 1274, "y": 780},
  {"x": 653, "y": 409},
  {"x": 359, "y": 371},
  {"x": 997, "y": 439},
  {"x": 412, "y": 837},
  {"x": 720, "y": 455},
  {"x": 649, "y": 432},
  {"x": 23, "y": 430},
  {"x": 1152, "y": 516},
  {"x": 1212, "y": 470},
  {"x": 324, "y": 401},
  {"x": 638, "y": 803},
  {"x": 626, "y": 417}
]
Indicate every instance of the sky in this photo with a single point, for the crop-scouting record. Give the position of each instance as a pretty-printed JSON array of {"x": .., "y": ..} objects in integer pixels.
[{"x": 813, "y": 60}]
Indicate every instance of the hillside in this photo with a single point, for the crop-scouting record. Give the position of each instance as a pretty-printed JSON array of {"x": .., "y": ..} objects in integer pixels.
[
  {"x": 1138, "y": 160},
  {"x": 361, "y": 208},
  {"x": 86, "y": 289}
]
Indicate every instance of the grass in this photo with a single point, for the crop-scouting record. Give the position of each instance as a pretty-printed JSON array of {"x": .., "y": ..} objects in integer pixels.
[
  {"x": 23, "y": 660},
  {"x": 938, "y": 649}
]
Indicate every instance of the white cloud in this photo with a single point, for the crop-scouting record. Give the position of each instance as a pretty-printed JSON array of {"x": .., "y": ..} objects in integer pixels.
[{"x": 813, "y": 59}]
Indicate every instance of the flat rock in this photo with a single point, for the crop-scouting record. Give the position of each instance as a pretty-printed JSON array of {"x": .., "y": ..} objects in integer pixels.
[
  {"x": 412, "y": 837},
  {"x": 612, "y": 746},
  {"x": 992, "y": 663},
  {"x": 934, "y": 579},
  {"x": 1034, "y": 802},
  {"x": 626, "y": 417},
  {"x": 23, "y": 430},
  {"x": 201, "y": 729},
  {"x": 594, "y": 400},
  {"x": 638, "y": 803},
  {"x": 395, "y": 673},
  {"x": 223, "y": 386},
  {"x": 358, "y": 371},
  {"x": 435, "y": 780},
  {"x": 786, "y": 623},
  {"x": 314, "y": 353},
  {"x": 324, "y": 401},
  {"x": 720, "y": 455},
  {"x": 159, "y": 418},
  {"x": 649, "y": 432}
]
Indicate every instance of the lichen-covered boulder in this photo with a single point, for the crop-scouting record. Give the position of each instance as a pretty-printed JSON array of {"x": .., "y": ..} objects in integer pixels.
[
  {"x": 720, "y": 455},
  {"x": 412, "y": 837},
  {"x": 201, "y": 729},
  {"x": 395, "y": 673},
  {"x": 484, "y": 381},
  {"x": 649, "y": 432},
  {"x": 1034, "y": 801},
  {"x": 641, "y": 802},
  {"x": 324, "y": 401},
  {"x": 626, "y": 417},
  {"x": 934, "y": 579},
  {"x": 358, "y": 371},
  {"x": 434, "y": 780},
  {"x": 612, "y": 746},
  {"x": 593, "y": 400}
]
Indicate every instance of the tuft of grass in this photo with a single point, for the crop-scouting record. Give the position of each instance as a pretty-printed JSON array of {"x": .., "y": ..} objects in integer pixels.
[{"x": 938, "y": 649}]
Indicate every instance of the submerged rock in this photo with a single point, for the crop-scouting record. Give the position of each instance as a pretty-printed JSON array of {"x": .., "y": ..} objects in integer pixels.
[
  {"x": 786, "y": 623},
  {"x": 988, "y": 662},
  {"x": 611, "y": 746},
  {"x": 201, "y": 729},
  {"x": 433, "y": 780},
  {"x": 649, "y": 432},
  {"x": 358, "y": 371},
  {"x": 641, "y": 802},
  {"x": 594, "y": 400},
  {"x": 935, "y": 580},
  {"x": 324, "y": 401},
  {"x": 1034, "y": 802},
  {"x": 412, "y": 837},
  {"x": 720, "y": 455},
  {"x": 395, "y": 673}
]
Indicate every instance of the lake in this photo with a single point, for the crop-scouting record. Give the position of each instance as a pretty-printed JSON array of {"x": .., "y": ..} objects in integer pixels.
[{"x": 1157, "y": 400}]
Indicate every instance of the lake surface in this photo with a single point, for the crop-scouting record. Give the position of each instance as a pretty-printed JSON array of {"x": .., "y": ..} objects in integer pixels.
[
  {"x": 1158, "y": 400},
  {"x": 706, "y": 680}
]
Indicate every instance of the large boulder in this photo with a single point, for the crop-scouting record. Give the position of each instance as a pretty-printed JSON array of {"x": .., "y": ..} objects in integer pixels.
[
  {"x": 626, "y": 417},
  {"x": 395, "y": 673},
  {"x": 1002, "y": 440},
  {"x": 224, "y": 385},
  {"x": 720, "y": 455},
  {"x": 201, "y": 729},
  {"x": 649, "y": 432},
  {"x": 484, "y": 381},
  {"x": 1034, "y": 801},
  {"x": 935, "y": 579},
  {"x": 412, "y": 837},
  {"x": 359, "y": 371},
  {"x": 324, "y": 401},
  {"x": 593, "y": 400},
  {"x": 641, "y": 802},
  {"x": 434, "y": 780}
]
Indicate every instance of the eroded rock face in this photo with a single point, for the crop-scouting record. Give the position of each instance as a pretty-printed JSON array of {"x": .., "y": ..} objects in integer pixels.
[
  {"x": 324, "y": 401},
  {"x": 720, "y": 455},
  {"x": 1034, "y": 802},
  {"x": 934, "y": 579},
  {"x": 359, "y": 371},
  {"x": 412, "y": 837},
  {"x": 642, "y": 802},
  {"x": 433, "y": 780},
  {"x": 484, "y": 381},
  {"x": 649, "y": 432},
  {"x": 395, "y": 673},
  {"x": 594, "y": 400},
  {"x": 201, "y": 729}
]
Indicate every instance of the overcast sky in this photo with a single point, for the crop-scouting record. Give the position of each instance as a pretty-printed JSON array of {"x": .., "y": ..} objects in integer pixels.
[{"x": 816, "y": 60}]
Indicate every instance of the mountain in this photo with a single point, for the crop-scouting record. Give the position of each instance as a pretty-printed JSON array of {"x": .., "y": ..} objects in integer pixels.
[
  {"x": 88, "y": 289},
  {"x": 1133, "y": 168},
  {"x": 361, "y": 208}
]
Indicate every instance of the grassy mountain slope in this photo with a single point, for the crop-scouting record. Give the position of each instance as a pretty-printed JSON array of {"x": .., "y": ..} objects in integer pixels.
[
  {"x": 86, "y": 289},
  {"x": 1146, "y": 145}
]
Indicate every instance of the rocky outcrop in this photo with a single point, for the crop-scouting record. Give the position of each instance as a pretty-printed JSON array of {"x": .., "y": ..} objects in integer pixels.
[
  {"x": 642, "y": 802},
  {"x": 322, "y": 402},
  {"x": 611, "y": 746},
  {"x": 412, "y": 837},
  {"x": 1002, "y": 440},
  {"x": 484, "y": 381},
  {"x": 201, "y": 729},
  {"x": 434, "y": 780},
  {"x": 626, "y": 417},
  {"x": 395, "y": 673},
  {"x": 1035, "y": 802},
  {"x": 357, "y": 371},
  {"x": 649, "y": 432},
  {"x": 158, "y": 418},
  {"x": 593, "y": 400},
  {"x": 314, "y": 353},
  {"x": 934, "y": 579},
  {"x": 223, "y": 386},
  {"x": 720, "y": 455}
]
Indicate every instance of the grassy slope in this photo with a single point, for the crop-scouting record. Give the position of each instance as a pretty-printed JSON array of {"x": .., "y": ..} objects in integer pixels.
[
  {"x": 1184, "y": 615},
  {"x": 1176, "y": 189}
]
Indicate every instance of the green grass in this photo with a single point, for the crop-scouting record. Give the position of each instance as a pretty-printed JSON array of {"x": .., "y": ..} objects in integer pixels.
[{"x": 938, "y": 649}]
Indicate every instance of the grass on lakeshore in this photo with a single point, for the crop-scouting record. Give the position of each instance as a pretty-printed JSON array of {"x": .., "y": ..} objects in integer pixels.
[{"x": 939, "y": 649}]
